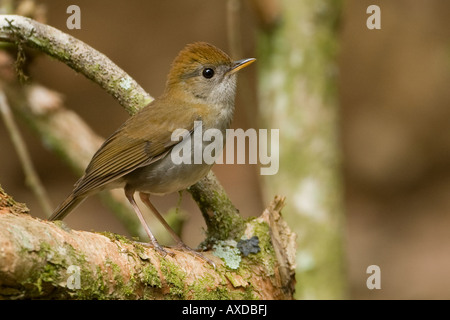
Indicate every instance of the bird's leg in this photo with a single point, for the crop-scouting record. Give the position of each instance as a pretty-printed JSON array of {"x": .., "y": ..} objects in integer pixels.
[
  {"x": 145, "y": 197},
  {"x": 130, "y": 196}
]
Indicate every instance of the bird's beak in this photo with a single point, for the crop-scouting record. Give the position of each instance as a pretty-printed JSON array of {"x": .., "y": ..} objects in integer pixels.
[{"x": 240, "y": 64}]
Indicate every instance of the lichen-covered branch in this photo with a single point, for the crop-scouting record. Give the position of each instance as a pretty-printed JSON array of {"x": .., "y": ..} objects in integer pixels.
[
  {"x": 77, "y": 55},
  {"x": 222, "y": 218},
  {"x": 40, "y": 259}
]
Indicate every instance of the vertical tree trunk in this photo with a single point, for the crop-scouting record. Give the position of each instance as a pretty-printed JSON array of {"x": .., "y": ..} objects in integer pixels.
[{"x": 297, "y": 94}]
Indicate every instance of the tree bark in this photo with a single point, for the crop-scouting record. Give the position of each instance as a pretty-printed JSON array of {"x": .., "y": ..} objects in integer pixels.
[
  {"x": 297, "y": 47},
  {"x": 45, "y": 260}
]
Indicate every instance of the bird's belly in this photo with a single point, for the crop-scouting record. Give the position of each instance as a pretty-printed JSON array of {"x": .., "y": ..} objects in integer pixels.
[{"x": 164, "y": 176}]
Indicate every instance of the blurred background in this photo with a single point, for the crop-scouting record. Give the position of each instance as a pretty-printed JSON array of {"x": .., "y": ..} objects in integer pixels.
[{"x": 394, "y": 120}]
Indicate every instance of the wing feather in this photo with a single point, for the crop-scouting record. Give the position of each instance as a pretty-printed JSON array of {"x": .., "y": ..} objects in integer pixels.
[{"x": 138, "y": 142}]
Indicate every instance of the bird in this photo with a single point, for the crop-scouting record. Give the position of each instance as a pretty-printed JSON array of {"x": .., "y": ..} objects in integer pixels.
[{"x": 200, "y": 91}]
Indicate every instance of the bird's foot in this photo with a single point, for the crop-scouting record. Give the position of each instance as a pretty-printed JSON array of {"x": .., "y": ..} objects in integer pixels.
[
  {"x": 184, "y": 247},
  {"x": 158, "y": 248}
]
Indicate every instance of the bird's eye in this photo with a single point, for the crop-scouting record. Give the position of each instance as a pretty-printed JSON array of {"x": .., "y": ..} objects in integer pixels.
[{"x": 208, "y": 73}]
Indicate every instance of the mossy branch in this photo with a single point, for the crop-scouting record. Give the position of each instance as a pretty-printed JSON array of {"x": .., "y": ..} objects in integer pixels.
[
  {"x": 45, "y": 260},
  {"x": 222, "y": 218},
  {"x": 77, "y": 55}
]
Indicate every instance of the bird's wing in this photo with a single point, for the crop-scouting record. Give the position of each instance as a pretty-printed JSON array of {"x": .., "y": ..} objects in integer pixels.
[{"x": 141, "y": 140}]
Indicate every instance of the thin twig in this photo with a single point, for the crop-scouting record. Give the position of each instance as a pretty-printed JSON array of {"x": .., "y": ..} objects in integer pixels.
[
  {"x": 234, "y": 28},
  {"x": 31, "y": 176}
]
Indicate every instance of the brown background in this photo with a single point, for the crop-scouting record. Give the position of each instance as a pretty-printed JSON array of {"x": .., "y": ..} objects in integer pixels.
[{"x": 395, "y": 116}]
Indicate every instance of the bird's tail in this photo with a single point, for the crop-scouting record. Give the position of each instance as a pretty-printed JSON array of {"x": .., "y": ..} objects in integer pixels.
[{"x": 66, "y": 207}]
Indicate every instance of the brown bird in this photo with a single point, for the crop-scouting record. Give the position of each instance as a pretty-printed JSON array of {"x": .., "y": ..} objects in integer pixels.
[{"x": 200, "y": 88}]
